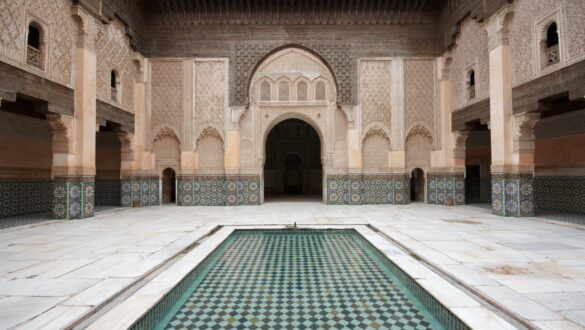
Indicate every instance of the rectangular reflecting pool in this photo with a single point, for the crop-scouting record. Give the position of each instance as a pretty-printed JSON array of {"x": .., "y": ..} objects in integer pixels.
[{"x": 298, "y": 279}]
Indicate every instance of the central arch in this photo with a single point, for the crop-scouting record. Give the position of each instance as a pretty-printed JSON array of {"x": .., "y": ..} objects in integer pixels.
[
  {"x": 293, "y": 168},
  {"x": 291, "y": 84}
]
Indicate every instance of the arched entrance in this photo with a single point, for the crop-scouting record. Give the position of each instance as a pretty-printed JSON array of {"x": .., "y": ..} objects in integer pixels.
[
  {"x": 417, "y": 185},
  {"x": 168, "y": 186},
  {"x": 293, "y": 161}
]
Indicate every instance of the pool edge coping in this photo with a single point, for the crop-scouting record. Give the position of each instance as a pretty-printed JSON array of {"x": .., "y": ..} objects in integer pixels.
[{"x": 465, "y": 307}]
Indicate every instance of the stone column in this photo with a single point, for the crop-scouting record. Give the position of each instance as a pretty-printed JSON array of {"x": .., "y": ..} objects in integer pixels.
[
  {"x": 512, "y": 171},
  {"x": 74, "y": 137},
  {"x": 354, "y": 143},
  {"x": 446, "y": 177}
]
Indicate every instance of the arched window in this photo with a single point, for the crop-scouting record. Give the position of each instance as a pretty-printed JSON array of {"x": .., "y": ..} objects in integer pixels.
[
  {"x": 35, "y": 48},
  {"x": 265, "y": 91},
  {"x": 471, "y": 85},
  {"x": 320, "y": 91},
  {"x": 114, "y": 85},
  {"x": 302, "y": 91},
  {"x": 552, "y": 45},
  {"x": 283, "y": 91}
]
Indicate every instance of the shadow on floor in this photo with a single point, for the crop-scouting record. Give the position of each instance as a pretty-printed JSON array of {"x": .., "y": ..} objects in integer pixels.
[{"x": 293, "y": 198}]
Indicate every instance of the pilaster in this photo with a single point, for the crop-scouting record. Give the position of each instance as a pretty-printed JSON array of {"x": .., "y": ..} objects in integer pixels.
[{"x": 511, "y": 136}]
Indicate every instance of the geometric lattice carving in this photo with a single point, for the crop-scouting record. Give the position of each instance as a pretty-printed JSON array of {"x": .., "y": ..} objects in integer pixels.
[
  {"x": 471, "y": 53},
  {"x": 248, "y": 54},
  {"x": 114, "y": 53},
  {"x": 283, "y": 91},
  {"x": 60, "y": 28},
  {"x": 265, "y": 92},
  {"x": 375, "y": 87},
  {"x": 419, "y": 89},
  {"x": 320, "y": 91},
  {"x": 209, "y": 85},
  {"x": 302, "y": 91},
  {"x": 167, "y": 94}
]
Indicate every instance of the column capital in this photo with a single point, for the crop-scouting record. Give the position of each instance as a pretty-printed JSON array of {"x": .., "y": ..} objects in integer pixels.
[
  {"x": 62, "y": 133},
  {"x": 497, "y": 27},
  {"x": 445, "y": 66},
  {"x": 236, "y": 113},
  {"x": 89, "y": 28},
  {"x": 139, "y": 65},
  {"x": 524, "y": 131}
]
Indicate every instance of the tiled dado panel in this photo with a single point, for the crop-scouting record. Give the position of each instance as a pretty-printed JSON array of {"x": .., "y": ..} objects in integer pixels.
[
  {"x": 560, "y": 193},
  {"x": 367, "y": 189},
  {"x": 73, "y": 197},
  {"x": 443, "y": 189},
  {"x": 25, "y": 197},
  {"x": 513, "y": 195},
  {"x": 107, "y": 192},
  {"x": 143, "y": 190},
  {"x": 218, "y": 190}
]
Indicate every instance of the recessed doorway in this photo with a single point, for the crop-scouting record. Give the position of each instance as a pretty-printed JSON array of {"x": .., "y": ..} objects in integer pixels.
[
  {"x": 168, "y": 186},
  {"x": 293, "y": 168},
  {"x": 417, "y": 185}
]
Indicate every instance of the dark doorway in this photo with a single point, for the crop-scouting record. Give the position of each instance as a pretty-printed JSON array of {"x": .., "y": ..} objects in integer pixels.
[
  {"x": 293, "y": 175},
  {"x": 472, "y": 183},
  {"x": 168, "y": 186},
  {"x": 417, "y": 185},
  {"x": 108, "y": 160},
  {"x": 293, "y": 160}
]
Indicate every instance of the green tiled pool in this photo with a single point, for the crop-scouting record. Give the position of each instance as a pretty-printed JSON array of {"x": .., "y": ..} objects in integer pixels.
[{"x": 298, "y": 279}]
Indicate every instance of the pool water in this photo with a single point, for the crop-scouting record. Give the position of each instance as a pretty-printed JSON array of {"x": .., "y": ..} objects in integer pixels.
[{"x": 313, "y": 279}]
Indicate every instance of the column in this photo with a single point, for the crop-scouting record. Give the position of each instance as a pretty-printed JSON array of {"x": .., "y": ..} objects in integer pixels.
[
  {"x": 446, "y": 177},
  {"x": 512, "y": 169},
  {"x": 400, "y": 180},
  {"x": 74, "y": 137}
]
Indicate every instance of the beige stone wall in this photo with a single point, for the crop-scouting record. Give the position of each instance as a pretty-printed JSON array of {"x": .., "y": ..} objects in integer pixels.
[
  {"x": 470, "y": 53},
  {"x": 527, "y": 27},
  {"x": 59, "y": 35}
]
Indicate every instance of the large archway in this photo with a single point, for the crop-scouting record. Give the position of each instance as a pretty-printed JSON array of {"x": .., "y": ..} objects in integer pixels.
[{"x": 292, "y": 167}]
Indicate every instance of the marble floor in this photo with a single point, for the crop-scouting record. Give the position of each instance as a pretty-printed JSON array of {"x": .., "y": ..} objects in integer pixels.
[{"x": 54, "y": 273}]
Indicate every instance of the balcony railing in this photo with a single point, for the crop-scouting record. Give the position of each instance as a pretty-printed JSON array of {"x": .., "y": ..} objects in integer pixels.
[
  {"x": 33, "y": 57},
  {"x": 114, "y": 95},
  {"x": 470, "y": 92},
  {"x": 552, "y": 55}
]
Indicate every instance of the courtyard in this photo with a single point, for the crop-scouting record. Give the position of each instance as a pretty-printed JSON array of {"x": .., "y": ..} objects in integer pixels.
[{"x": 57, "y": 274}]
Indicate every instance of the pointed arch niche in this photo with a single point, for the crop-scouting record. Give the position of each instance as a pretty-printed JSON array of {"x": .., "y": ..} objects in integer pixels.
[{"x": 293, "y": 77}]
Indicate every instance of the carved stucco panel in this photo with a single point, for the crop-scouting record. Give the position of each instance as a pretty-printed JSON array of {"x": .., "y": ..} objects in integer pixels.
[
  {"x": 575, "y": 26},
  {"x": 525, "y": 35},
  {"x": 59, "y": 33},
  {"x": 114, "y": 53},
  {"x": 167, "y": 93},
  {"x": 375, "y": 91},
  {"x": 209, "y": 105},
  {"x": 248, "y": 54},
  {"x": 419, "y": 92},
  {"x": 470, "y": 53}
]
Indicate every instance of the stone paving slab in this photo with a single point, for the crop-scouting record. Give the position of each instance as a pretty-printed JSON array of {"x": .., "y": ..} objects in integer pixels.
[{"x": 534, "y": 267}]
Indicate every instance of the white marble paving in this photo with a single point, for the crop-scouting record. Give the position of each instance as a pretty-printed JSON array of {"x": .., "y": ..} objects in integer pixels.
[{"x": 532, "y": 267}]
